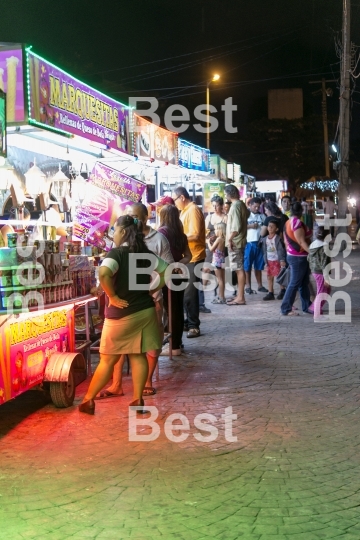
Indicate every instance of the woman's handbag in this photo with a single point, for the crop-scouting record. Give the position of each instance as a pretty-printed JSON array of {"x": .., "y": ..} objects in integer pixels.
[{"x": 283, "y": 278}]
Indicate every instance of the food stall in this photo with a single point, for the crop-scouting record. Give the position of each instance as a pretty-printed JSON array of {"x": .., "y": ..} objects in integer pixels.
[{"x": 67, "y": 140}]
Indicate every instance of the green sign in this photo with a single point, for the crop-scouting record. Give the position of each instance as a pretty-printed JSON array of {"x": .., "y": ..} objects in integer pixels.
[
  {"x": 211, "y": 189},
  {"x": 2, "y": 124}
]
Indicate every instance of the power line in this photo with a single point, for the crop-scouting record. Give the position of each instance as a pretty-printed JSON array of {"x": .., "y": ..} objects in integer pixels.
[
  {"x": 182, "y": 55},
  {"x": 180, "y": 67},
  {"x": 236, "y": 67},
  {"x": 300, "y": 74}
]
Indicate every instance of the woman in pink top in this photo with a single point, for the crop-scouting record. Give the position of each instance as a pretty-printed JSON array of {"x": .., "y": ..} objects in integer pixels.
[{"x": 297, "y": 237}]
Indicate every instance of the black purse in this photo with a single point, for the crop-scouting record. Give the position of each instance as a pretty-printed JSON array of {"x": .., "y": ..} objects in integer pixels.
[{"x": 283, "y": 278}]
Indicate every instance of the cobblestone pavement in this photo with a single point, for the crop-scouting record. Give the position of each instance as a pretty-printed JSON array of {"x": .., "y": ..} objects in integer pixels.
[{"x": 294, "y": 472}]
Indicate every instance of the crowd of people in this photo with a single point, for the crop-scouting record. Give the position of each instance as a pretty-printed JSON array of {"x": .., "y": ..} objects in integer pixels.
[{"x": 237, "y": 236}]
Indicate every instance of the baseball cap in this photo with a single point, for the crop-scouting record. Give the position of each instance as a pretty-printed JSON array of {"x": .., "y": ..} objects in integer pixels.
[{"x": 164, "y": 200}]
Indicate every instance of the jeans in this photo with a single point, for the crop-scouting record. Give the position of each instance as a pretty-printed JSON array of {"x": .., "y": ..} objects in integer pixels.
[
  {"x": 299, "y": 280},
  {"x": 191, "y": 297},
  {"x": 177, "y": 313}
]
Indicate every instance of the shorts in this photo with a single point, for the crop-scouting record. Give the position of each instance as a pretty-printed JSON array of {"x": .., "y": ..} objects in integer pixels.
[
  {"x": 273, "y": 268},
  {"x": 253, "y": 257},
  {"x": 236, "y": 259}
]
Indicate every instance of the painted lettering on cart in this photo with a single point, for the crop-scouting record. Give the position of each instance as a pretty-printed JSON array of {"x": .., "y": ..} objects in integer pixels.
[
  {"x": 65, "y": 96},
  {"x": 34, "y": 327}
]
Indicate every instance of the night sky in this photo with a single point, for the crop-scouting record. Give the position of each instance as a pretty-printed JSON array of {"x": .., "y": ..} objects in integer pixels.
[{"x": 255, "y": 45}]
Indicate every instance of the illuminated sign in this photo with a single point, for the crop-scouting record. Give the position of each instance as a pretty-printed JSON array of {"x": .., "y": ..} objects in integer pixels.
[
  {"x": 192, "y": 156},
  {"x": 61, "y": 102},
  {"x": 154, "y": 142}
]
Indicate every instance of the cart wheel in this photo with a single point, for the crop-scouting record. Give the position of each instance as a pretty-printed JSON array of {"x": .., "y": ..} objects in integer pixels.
[{"x": 63, "y": 393}]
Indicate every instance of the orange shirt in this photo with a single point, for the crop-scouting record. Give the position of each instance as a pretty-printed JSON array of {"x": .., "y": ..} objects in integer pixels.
[{"x": 194, "y": 225}]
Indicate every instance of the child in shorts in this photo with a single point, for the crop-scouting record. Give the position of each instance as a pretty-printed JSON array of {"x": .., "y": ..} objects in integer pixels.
[
  {"x": 274, "y": 257},
  {"x": 218, "y": 260}
]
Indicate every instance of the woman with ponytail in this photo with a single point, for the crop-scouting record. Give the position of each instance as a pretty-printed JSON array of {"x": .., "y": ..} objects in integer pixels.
[{"x": 130, "y": 325}]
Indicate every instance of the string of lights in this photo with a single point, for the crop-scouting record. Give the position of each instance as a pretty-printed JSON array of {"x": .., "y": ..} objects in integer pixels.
[{"x": 322, "y": 185}]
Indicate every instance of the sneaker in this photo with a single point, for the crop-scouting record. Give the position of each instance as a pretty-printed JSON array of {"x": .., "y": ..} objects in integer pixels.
[
  {"x": 262, "y": 289},
  {"x": 269, "y": 296},
  {"x": 249, "y": 291},
  {"x": 193, "y": 332},
  {"x": 186, "y": 328},
  {"x": 218, "y": 300},
  {"x": 281, "y": 294},
  {"x": 204, "y": 309}
]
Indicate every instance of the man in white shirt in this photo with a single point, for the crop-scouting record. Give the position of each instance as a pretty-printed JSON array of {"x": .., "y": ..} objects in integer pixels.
[{"x": 253, "y": 256}]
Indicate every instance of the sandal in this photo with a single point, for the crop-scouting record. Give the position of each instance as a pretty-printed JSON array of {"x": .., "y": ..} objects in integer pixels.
[
  {"x": 149, "y": 391},
  {"x": 106, "y": 394}
]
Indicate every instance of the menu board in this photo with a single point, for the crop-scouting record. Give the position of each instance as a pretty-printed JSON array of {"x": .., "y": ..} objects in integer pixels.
[{"x": 108, "y": 194}]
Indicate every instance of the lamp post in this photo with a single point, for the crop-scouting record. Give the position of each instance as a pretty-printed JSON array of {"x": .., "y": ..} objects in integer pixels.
[{"x": 215, "y": 78}]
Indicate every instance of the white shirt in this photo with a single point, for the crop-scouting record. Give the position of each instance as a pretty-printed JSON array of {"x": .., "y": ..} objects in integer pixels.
[
  {"x": 253, "y": 235},
  {"x": 271, "y": 249}
]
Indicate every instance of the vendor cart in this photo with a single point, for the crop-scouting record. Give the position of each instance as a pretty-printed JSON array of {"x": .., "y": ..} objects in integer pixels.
[{"x": 38, "y": 349}]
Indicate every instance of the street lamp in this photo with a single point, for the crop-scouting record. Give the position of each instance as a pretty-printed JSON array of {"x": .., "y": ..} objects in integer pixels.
[{"x": 215, "y": 78}]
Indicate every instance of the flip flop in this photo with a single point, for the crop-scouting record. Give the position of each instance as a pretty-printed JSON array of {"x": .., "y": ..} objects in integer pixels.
[
  {"x": 235, "y": 304},
  {"x": 106, "y": 394},
  {"x": 149, "y": 391}
]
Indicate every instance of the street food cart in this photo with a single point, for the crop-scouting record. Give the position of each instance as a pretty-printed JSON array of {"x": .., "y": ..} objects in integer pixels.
[{"x": 41, "y": 294}]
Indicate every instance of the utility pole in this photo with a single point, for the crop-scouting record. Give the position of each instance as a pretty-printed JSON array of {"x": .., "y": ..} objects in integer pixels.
[
  {"x": 344, "y": 120},
  {"x": 325, "y": 123},
  {"x": 325, "y": 92}
]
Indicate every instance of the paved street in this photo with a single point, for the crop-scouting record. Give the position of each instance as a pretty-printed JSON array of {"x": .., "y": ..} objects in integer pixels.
[{"x": 293, "y": 473}]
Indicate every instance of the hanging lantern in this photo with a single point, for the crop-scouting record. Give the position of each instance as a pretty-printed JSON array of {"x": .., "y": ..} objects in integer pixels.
[
  {"x": 60, "y": 183},
  {"x": 7, "y": 176},
  {"x": 78, "y": 189},
  {"x": 35, "y": 181}
]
